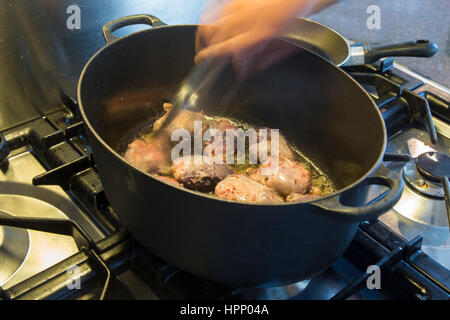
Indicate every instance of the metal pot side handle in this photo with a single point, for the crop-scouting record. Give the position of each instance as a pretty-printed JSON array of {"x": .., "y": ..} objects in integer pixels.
[
  {"x": 382, "y": 176},
  {"x": 112, "y": 26}
]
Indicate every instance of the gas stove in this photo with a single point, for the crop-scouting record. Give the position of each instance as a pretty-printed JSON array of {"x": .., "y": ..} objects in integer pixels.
[{"x": 60, "y": 239}]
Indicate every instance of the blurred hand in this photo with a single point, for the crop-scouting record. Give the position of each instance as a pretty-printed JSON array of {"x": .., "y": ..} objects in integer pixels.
[{"x": 246, "y": 28}]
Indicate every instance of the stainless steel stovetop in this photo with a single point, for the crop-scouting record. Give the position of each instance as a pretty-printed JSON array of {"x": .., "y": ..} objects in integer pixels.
[
  {"x": 421, "y": 209},
  {"x": 34, "y": 182}
]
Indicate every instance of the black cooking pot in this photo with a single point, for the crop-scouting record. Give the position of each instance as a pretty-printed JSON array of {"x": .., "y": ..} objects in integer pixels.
[{"x": 317, "y": 106}]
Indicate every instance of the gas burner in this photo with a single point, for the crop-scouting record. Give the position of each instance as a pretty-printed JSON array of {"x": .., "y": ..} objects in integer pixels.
[
  {"x": 421, "y": 183},
  {"x": 433, "y": 165},
  {"x": 274, "y": 293},
  {"x": 14, "y": 245},
  {"x": 423, "y": 199}
]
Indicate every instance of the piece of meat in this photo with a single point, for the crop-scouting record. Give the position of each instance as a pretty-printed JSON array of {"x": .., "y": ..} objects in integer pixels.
[
  {"x": 299, "y": 197},
  {"x": 221, "y": 124},
  {"x": 313, "y": 193},
  {"x": 158, "y": 123},
  {"x": 241, "y": 188},
  {"x": 151, "y": 157},
  {"x": 218, "y": 147},
  {"x": 198, "y": 172},
  {"x": 215, "y": 147},
  {"x": 283, "y": 175},
  {"x": 284, "y": 149},
  {"x": 183, "y": 120},
  {"x": 170, "y": 180}
]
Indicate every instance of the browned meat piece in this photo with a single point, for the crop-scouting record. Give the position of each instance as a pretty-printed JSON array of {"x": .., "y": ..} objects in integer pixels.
[
  {"x": 298, "y": 197},
  {"x": 314, "y": 193},
  {"x": 215, "y": 147},
  {"x": 183, "y": 120},
  {"x": 241, "y": 188},
  {"x": 149, "y": 157},
  {"x": 170, "y": 180},
  {"x": 288, "y": 177},
  {"x": 201, "y": 176},
  {"x": 222, "y": 124},
  {"x": 158, "y": 123},
  {"x": 284, "y": 149}
]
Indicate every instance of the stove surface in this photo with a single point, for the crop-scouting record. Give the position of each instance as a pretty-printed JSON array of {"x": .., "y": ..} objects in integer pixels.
[
  {"x": 49, "y": 174},
  {"x": 421, "y": 209},
  {"x": 34, "y": 251},
  {"x": 417, "y": 213}
]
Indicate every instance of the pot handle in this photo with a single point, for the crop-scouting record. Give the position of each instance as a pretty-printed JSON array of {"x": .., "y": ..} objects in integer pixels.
[
  {"x": 418, "y": 48},
  {"x": 112, "y": 26},
  {"x": 376, "y": 207}
]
